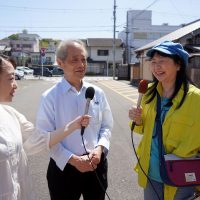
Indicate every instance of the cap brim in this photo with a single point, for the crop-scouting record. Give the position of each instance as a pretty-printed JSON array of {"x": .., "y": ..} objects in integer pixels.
[{"x": 151, "y": 51}]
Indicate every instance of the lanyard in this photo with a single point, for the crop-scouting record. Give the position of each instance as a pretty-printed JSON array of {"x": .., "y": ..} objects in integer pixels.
[
  {"x": 159, "y": 127},
  {"x": 161, "y": 150}
]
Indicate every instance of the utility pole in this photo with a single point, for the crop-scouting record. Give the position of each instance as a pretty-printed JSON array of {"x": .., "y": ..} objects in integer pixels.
[
  {"x": 42, "y": 54},
  {"x": 127, "y": 39},
  {"x": 114, "y": 31}
]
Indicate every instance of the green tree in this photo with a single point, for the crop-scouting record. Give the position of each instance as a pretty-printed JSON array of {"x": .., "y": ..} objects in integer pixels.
[{"x": 14, "y": 37}]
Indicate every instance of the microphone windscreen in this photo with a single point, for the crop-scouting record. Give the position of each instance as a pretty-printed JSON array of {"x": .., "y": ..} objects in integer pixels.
[
  {"x": 89, "y": 93},
  {"x": 143, "y": 86}
]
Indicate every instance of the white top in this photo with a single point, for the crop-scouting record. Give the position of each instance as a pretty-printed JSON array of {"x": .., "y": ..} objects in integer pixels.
[
  {"x": 17, "y": 135},
  {"x": 63, "y": 103}
]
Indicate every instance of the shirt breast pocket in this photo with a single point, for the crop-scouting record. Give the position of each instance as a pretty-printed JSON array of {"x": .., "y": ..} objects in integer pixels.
[
  {"x": 180, "y": 129},
  {"x": 94, "y": 112}
]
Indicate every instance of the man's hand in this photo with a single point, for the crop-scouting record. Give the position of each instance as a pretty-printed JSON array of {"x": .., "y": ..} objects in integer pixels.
[
  {"x": 82, "y": 163},
  {"x": 95, "y": 155}
]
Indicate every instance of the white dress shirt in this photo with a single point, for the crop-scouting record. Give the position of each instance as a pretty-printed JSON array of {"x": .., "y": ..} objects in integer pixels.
[
  {"x": 17, "y": 135},
  {"x": 63, "y": 103}
]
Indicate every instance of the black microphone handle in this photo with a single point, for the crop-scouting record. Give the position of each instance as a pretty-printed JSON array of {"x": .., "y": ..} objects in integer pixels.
[
  {"x": 138, "y": 106},
  {"x": 132, "y": 126},
  {"x": 139, "y": 100},
  {"x": 82, "y": 130}
]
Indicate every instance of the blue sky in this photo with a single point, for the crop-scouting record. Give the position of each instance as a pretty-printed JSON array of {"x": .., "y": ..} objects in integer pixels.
[{"x": 61, "y": 19}]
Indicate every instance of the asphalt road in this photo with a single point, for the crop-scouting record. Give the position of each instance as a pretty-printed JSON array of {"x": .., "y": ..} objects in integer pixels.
[{"x": 121, "y": 176}]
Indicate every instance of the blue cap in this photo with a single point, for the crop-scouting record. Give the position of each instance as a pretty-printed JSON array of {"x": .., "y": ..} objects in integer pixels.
[{"x": 170, "y": 48}]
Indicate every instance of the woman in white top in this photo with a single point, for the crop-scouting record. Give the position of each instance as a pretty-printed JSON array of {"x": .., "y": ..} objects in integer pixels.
[{"x": 19, "y": 138}]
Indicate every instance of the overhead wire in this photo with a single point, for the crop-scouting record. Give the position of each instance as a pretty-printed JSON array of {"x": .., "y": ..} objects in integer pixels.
[
  {"x": 59, "y": 29},
  {"x": 67, "y": 10}
]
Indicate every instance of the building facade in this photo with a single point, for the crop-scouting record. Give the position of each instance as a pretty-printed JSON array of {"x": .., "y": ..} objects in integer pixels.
[
  {"x": 189, "y": 37},
  {"x": 140, "y": 31},
  {"x": 26, "y": 48},
  {"x": 22, "y": 47},
  {"x": 100, "y": 55}
]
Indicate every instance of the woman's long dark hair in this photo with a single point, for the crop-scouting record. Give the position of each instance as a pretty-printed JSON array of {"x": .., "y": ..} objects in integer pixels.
[{"x": 181, "y": 79}]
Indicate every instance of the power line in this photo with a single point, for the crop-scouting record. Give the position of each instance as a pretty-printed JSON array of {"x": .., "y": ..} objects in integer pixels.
[
  {"x": 91, "y": 9},
  {"x": 54, "y": 9},
  {"x": 142, "y": 11},
  {"x": 62, "y": 27},
  {"x": 59, "y": 31}
]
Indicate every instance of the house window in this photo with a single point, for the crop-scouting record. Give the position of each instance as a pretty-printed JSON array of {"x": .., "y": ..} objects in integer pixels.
[
  {"x": 27, "y": 46},
  {"x": 140, "y": 35},
  {"x": 35, "y": 59},
  {"x": 48, "y": 61},
  {"x": 155, "y": 35},
  {"x": 102, "y": 52}
]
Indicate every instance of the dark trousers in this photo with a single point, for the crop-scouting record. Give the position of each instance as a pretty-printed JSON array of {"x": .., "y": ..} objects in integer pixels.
[{"x": 69, "y": 184}]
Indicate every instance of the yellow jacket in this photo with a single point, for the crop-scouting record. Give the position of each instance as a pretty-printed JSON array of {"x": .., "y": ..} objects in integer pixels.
[{"x": 181, "y": 131}]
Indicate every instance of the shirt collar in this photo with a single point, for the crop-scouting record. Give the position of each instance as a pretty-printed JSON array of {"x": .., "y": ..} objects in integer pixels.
[
  {"x": 177, "y": 99},
  {"x": 66, "y": 86}
]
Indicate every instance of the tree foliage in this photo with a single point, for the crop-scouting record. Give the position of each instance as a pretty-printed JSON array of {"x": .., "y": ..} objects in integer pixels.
[{"x": 14, "y": 37}]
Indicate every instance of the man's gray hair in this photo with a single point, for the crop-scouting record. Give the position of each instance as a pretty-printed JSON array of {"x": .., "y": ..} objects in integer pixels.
[{"x": 62, "y": 49}]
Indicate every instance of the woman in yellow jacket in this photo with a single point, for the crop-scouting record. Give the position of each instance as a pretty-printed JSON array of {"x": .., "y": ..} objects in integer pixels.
[{"x": 180, "y": 115}]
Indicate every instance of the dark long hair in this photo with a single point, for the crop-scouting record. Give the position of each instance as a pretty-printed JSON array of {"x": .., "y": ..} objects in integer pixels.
[{"x": 181, "y": 79}]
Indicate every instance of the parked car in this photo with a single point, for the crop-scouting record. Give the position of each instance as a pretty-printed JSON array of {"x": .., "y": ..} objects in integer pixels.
[
  {"x": 26, "y": 70},
  {"x": 19, "y": 74},
  {"x": 46, "y": 72},
  {"x": 57, "y": 71}
]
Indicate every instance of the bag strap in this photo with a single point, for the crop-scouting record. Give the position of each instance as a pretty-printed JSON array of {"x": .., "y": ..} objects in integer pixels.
[
  {"x": 159, "y": 126},
  {"x": 163, "y": 171}
]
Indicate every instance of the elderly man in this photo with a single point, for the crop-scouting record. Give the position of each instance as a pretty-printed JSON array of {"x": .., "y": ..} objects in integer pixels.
[{"x": 76, "y": 161}]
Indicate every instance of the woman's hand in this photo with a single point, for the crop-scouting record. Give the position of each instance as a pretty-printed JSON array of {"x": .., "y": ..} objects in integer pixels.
[
  {"x": 79, "y": 122},
  {"x": 135, "y": 114}
]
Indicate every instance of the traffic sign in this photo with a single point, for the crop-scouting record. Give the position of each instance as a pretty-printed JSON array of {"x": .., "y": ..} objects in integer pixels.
[{"x": 42, "y": 51}]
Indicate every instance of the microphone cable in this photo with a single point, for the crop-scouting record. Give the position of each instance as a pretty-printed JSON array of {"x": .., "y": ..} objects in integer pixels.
[
  {"x": 100, "y": 183},
  {"x": 132, "y": 127}
]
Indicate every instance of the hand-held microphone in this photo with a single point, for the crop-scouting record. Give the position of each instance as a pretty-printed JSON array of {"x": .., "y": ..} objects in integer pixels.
[
  {"x": 89, "y": 94},
  {"x": 142, "y": 88}
]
